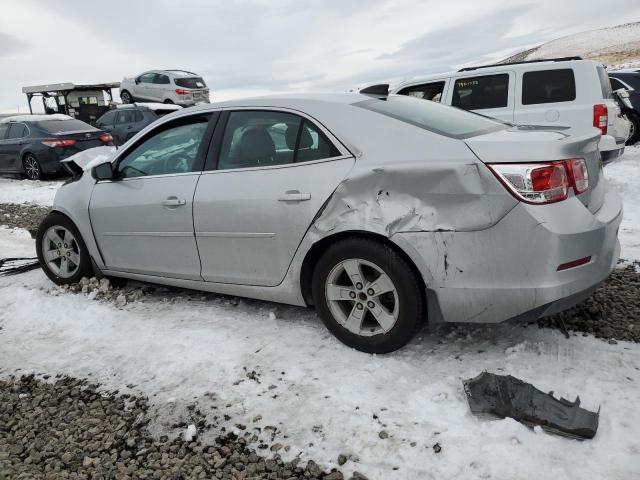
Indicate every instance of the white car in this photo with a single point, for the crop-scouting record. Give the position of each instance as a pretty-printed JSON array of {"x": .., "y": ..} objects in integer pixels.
[
  {"x": 562, "y": 93},
  {"x": 165, "y": 86}
]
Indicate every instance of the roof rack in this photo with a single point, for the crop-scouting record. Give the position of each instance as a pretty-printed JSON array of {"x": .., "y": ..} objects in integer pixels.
[{"x": 560, "y": 59}]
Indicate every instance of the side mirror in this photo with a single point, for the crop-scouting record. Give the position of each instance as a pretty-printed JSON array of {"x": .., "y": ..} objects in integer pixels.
[
  {"x": 104, "y": 171},
  {"x": 137, "y": 81}
]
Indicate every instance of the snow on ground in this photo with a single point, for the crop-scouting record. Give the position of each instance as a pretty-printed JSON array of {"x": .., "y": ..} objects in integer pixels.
[
  {"x": 328, "y": 399},
  {"x": 28, "y": 191},
  {"x": 624, "y": 176}
]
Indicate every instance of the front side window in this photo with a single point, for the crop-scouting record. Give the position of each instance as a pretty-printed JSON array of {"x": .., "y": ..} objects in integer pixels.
[
  {"x": 147, "y": 78},
  {"x": 427, "y": 91},
  {"x": 170, "y": 151},
  {"x": 126, "y": 116},
  {"x": 477, "y": 93},
  {"x": 263, "y": 138},
  {"x": 548, "y": 86},
  {"x": 106, "y": 119},
  {"x": 17, "y": 130}
]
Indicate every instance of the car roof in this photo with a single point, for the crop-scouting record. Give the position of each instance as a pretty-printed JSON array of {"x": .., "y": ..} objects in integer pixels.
[
  {"x": 35, "y": 118},
  {"x": 288, "y": 100}
]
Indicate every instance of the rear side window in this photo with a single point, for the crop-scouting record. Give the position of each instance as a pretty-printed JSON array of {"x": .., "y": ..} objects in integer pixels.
[
  {"x": 191, "y": 82},
  {"x": 126, "y": 116},
  {"x": 264, "y": 138},
  {"x": 4, "y": 128},
  {"x": 477, "y": 93},
  {"x": 548, "y": 86},
  {"x": 162, "y": 79},
  {"x": 18, "y": 130},
  {"x": 58, "y": 126},
  {"x": 426, "y": 91},
  {"x": 432, "y": 116}
]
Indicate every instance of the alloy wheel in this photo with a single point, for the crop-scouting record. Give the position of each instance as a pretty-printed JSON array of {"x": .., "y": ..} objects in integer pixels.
[
  {"x": 61, "y": 251},
  {"x": 362, "y": 297},
  {"x": 32, "y": 167}
]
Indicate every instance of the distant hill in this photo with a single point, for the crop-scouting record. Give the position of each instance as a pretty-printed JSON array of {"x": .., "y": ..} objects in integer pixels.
[{"x": 611, "y": 46}]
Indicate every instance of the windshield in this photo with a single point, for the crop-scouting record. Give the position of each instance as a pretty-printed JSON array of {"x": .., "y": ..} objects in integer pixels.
[
  {"x": 59, "y": 126},
  {"x": 191, "y": 82},
  {"x": 449, "y": 121}
]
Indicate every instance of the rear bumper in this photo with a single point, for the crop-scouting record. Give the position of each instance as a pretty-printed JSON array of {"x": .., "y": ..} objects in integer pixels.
[{"x": 510, "y": 270}]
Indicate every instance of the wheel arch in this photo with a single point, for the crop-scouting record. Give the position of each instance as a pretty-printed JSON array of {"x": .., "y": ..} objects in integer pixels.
[{"x": 317, "y": 249}]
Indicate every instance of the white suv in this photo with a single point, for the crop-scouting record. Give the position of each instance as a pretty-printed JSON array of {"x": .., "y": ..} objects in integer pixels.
[
  {"x": 165, "y": 86},
  {"x": 568, "y": 92}
]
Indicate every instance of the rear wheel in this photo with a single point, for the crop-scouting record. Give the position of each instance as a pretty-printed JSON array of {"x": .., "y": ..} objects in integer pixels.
[
  {"x": 126, "y": 97},
  {"x": 61, "y": 251},
  {"x": 169, "y": 101},
  {"x": 634, "y": 131},
  {"x": 32, "y": 168},
  {"x": 367, "y": 295}
]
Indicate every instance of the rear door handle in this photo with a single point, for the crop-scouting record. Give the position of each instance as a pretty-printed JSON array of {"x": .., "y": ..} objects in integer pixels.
[
  {"x": 294, "y": 196},
  {"x": 174, "y": 202}
]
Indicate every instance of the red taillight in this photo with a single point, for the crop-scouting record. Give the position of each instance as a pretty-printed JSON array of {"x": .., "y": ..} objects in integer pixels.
[
  {"x": 541, "y": 183},
  {"x": 579, "y": 174},
  {"x": 59, "y": 143},
  {"x": 106, "y": 138},
  {"x": 600, "y": 117},
  {"x": 181, "y": 91}
]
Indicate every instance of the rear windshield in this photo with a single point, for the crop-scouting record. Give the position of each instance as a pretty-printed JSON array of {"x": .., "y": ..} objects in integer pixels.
[
  {"x": 59, "y": 126},
  {"x": 191, "y": 82},
  {"x": 437, "y": 118},
  {"x": 632, "y": 80}
]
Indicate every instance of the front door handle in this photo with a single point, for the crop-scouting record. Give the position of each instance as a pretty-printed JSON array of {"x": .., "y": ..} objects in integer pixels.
[
  {"x": 174, "y": 202},
  {"x": 294, "y": 196}
]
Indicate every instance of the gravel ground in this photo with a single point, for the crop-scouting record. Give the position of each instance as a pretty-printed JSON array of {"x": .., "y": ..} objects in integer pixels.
[
  {"x": 611, "y": 313},
  {"x": 69, "y": 429},
  {"x": 22, "y": 216}
]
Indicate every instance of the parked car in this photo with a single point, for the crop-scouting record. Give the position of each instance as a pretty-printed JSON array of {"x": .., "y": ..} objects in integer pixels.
[
  {"x": 127, "y": 120},
  {"x": 629, "y": 82},
  {"x": 33, "y": 145},
  {"x": 165, "y": 86},
  {"x": 380, "y": 212},
  {"x": 566, "y": 92}
]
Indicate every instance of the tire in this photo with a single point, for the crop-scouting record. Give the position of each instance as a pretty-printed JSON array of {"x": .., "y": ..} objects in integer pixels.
[
  {"x": 126, "y": 97},
  {"x": 168, "y": 101},
  {"x": 72, "y": 260},
  {"x": 635, "y": 126},
  {"x": 32, "y": 168},
  {"x": 401, "y": 309}
]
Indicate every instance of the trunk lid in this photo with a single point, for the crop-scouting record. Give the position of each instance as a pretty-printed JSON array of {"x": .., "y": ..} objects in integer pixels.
[
  {"x": 85, "y": 139},
  {"x": 520, "y": 144}
]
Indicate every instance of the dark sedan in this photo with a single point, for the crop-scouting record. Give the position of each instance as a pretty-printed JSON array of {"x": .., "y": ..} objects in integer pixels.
[
  {"x": 33, "y": 145},
  {"x": 630, "y": 82},
  {"x": 127, "y": 120}
]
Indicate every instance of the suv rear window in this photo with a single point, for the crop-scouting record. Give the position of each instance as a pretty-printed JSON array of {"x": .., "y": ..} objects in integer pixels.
[
  {"x": 476, "y": 93},
  {"x": 432, "y": 116},
  {"x": 58, "y": 126},
  {"x": 191, "y": 82},
  {"x": 548, "y": 86}
]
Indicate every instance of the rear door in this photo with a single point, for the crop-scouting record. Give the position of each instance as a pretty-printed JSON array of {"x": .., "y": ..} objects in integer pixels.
[
  {"x": 143, "y": 219},
  {"x": 273, "y": 171},
  {"x": 490, "y": 94},
  {"x": 13, "y": 144},
  {"x": 4, "y": 147},
  {"x": 126, "y": 125},
  {"x": 158, "y": 89},
  {"x": 143, "y": 86}
]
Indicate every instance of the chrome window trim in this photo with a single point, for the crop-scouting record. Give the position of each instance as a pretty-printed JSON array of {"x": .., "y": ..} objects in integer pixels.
[
  {"x": 276, "y": 167},
  {"x": 144, "y": 177}
]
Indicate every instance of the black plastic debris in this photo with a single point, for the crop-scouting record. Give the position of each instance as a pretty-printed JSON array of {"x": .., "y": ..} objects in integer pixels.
[
  {"x": 507, "y": 396},
  {"x": 13, "y": 266}
]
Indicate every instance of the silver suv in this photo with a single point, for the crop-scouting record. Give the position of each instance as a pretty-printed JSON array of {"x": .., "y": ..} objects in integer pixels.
[{"x": 166, "y": 86}]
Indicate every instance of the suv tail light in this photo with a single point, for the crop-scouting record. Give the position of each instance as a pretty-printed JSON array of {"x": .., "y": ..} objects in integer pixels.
[
  {"x": 600, "y": 117},
  {"x": 182, "y": 91},
  {"x": 541, "y": 183},
  {"x": 59, "y": 143},
  {"x": 106, "y": 138}
]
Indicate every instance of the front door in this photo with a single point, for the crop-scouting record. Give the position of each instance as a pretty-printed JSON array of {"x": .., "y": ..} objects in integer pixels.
[
  {"x": 274, "y": 172},
  {"x": 143, "y": 219}
]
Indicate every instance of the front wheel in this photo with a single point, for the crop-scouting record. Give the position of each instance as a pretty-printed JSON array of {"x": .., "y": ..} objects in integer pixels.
[
  {"x": 61, "y": 251},
  {"x": 367, "y": 295}
]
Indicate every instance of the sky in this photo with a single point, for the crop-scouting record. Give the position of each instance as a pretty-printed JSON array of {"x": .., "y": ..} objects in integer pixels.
[{"x": 255, "y": 47}]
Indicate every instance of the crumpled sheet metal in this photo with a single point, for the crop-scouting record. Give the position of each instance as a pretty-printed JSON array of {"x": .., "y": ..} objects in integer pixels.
[
  {"x": 426, "y": 196},
  {"x": 507, "y": 396}
]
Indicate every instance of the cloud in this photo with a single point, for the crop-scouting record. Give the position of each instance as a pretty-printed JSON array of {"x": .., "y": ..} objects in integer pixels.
[{"x": 10, "y": 45}]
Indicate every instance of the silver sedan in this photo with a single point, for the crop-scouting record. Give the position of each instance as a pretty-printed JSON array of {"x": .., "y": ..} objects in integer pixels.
[{"x": 380, "y": 212}]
